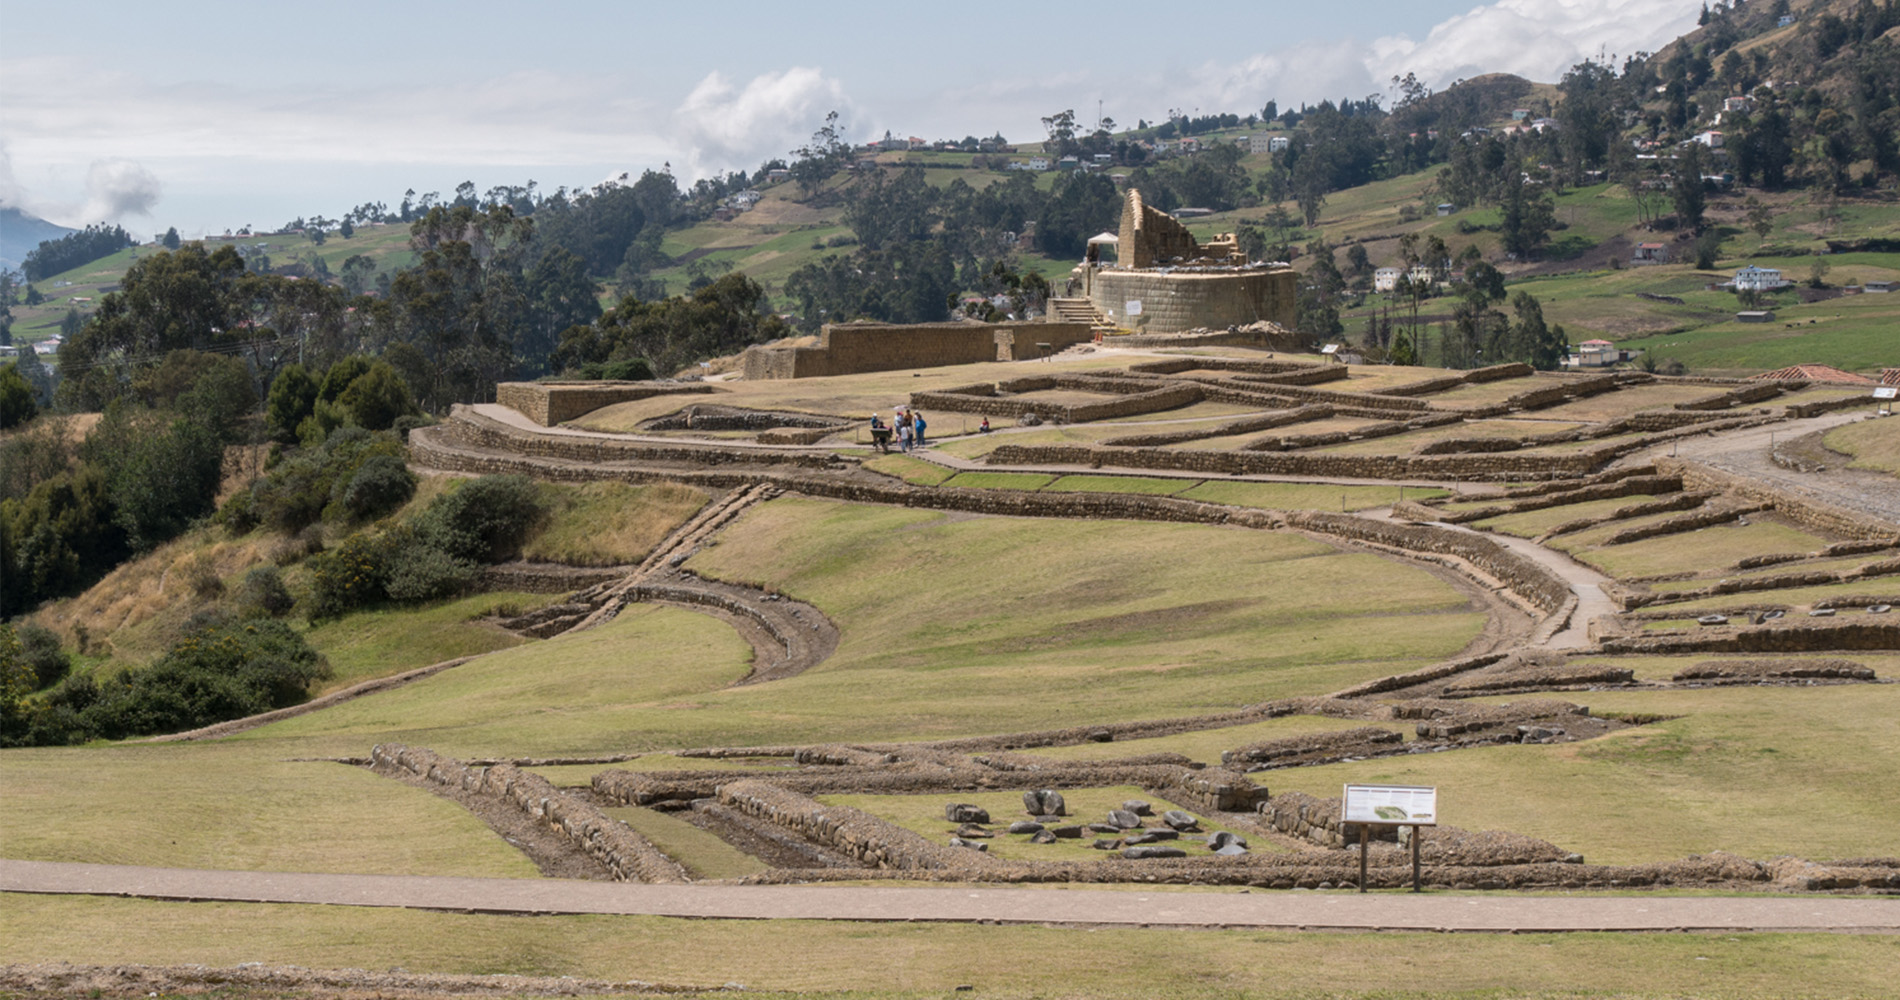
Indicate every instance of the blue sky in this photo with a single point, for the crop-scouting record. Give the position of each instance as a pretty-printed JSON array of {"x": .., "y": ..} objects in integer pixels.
[{"x": 212, "y": 115}]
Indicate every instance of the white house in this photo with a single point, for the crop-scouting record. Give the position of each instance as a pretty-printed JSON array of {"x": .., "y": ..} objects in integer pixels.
[
  {"x": 1278, "y": 143},
  {"x": 1597, "y": 354},
  {"x": 1758, "y": 279},
  {"x": 1743, "y": 103},
  {"x": 1711, "y": 139},
  {"x": 1385, "y": 279},
  {"x": 1038, "y": 163}
]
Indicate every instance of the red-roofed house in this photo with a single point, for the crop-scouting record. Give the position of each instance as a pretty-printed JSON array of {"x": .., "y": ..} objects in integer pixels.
[
  {"x": 1890, "y": 376},
  {"x": 1813, "y": 373},
  {"x": 1650, "y": 253}
]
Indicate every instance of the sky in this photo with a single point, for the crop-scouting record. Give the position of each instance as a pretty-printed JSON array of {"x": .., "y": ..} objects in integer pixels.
[{"x": 213, "y": 115}]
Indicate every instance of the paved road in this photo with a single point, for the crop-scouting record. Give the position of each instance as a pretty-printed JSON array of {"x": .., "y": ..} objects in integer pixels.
[{"x": 1387, "y": 910}]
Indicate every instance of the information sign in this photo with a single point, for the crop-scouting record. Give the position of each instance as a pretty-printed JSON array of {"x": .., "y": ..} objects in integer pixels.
[
  {"x": 1132, "y": 307},
  {"x": 1391, "y": 805},
  {"x": 1887, "y": 392}
]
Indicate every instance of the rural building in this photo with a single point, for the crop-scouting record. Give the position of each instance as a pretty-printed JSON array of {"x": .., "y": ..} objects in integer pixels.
[
  {"x": 1755, "y": 316},
  {"x": 1758, "y": 279},
  {"x": 1595, "y": 354},
  {"x": 1743, "y": 103},
  {"x": 1711, "y": 139},
  {"x": 1879, "y": 287},
  {"x": 1386, "y": 279},
  {"x": 1650, "y": 253}
]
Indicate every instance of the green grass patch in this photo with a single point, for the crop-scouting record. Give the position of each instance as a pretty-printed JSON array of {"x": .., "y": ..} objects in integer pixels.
[
  {"x": 1204, "y": 745},
  {"x": 390, "y": 640},
  {"x": 1669, "y": 789},
  {"x": 1001, "y": 480},
  {"x": 1702, "y": 550},
  {"x": 1796, "y": 597},
  {"x": 914, "y": 471},
  {"x": 809, "y": 958},
  {"x": 1305, "y": 496},
  {"x": 1874, "y": 444},
  {"x": 225, "y": 805},
  {"x": 1143, "y": 485},
  {"x": 703, "y": 853}
]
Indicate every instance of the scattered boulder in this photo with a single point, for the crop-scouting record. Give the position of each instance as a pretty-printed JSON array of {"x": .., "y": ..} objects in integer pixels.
[
  {"x": 1043, "y": 837},
  {"x": 1180, "y": 820},
  {"x": 1106, "y": 828},
  {"x": 1068, "y": 832},
  {"x": 1151, "y": 837},
  {"x": 1045, "y": 802},
  {"x": 974, "y": 845},
  {"x": 1225, "y": 843},
  {"x": 1025, "y": 826},
  {"x": 1122, "y": 819},
  {"x": 1106, "y": 844},
  {"x": 1538, "y": 734},
  {"x": 1101, "y": 736},
  {"x": 1153, "y": 851},
  {"x": 1138, "y": 807},
  {"x": 970, "y": 831},
  {"x": 964, "y": 812}
]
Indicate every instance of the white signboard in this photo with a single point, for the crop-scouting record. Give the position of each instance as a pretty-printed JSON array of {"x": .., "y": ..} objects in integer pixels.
[
  {"x": 1391, "y": 805},
  {"x": 1132, "y": 307},
  {"x": 1887, "y": 392}
]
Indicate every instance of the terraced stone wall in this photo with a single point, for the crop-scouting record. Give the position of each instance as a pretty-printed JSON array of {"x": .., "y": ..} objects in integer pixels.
[
  {"x": 849, "y": 349},
  {"x": 550, "y": 403},
  {"x": 1810, "y": 513},
  {"x": 1482, "y": 467},
  {"x": 624, "y": 853}
]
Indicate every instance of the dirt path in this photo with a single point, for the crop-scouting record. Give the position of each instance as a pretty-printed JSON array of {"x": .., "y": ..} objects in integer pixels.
[
  {"x": 1295, "y": 910},
  {"x": 1747, "y": 452}
]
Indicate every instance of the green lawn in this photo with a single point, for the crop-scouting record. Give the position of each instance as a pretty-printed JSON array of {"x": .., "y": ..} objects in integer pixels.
[
  {"x": 607, "y": 523},
  {"x": 1701, "y": 550},
  {"x": 1874, "y": 444},
  {"x": 888, "y": 961},
  {"x": 1001, "y": 480},
  {"x": 1759, "y": 772},
  {"x": 1120, "y": 484},
  {"x": 388, "y": 640},
  {"x": 702, "y": 852},
  {"x": 224, "y": 805},
  {"x": 1305, "y": 496},
  {"x": 1532, "y": 523}
]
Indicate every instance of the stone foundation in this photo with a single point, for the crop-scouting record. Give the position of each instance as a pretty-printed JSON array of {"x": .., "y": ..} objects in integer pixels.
[{"x": 550, "y": 403}]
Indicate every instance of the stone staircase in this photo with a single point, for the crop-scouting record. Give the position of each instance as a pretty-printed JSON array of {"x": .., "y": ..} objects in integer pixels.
[{"x": 1078, "y": 311}]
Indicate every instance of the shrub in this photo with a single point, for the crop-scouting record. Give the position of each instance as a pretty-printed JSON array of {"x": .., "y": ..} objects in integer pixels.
[
  {"x": 376, "y": 398},
  {"x": 405, "y": 424},
  {"x": 197, "y": 572},
  {"x": 293, "y": 396},
  {"x": 623, "y": 370},
  {"x": 347, "y": 577},
  {"x": 485, "y": 520},
  {"x": 298, "y": 547},
  {"x": 337, "y": 380},
  {"x": 420, "y": 571},
  {"x": 263, "y": 594},
  {"x": 217, "y": 671},
  {"x": 40, "y": 651},
  {"x": 239, "y": 514},
  {"x": 17, "y": 405},
  {"x": 381, "y": 484}
]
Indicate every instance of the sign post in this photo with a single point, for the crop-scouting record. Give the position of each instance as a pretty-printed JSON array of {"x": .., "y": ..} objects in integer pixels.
[
  {"x": 1885, "y": 394},
  {"x": 1389, "y": 805}
]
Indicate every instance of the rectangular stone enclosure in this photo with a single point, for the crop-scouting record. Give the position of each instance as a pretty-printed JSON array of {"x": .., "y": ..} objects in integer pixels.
[
  {"x": 550, "y": 403},
  {"x": 852, "y": 348}
]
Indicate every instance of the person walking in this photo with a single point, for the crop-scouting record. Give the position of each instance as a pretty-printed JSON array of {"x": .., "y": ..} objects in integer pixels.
[
  {"x": 917, "y": 425},
  {"x": 904, "y": 434}
]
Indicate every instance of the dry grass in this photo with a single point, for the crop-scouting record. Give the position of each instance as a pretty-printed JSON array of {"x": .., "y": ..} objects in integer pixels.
[
  {"x": 1204, "y": 745},
  {"x": 1875, "y": 444},
  {"x": 132, "y": 614},
  {"x": 1303, "y": 496},
  {"x": 914, "y": 960},
  {"x": 702, "y": 852},
  {"x": 1532, "y": 523},
  {"x": 1623, "y": 402},
  {"x": 607, "y": 523}
]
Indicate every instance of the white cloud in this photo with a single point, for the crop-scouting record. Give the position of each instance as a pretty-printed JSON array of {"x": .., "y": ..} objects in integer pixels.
[
  {"x": 116, "y": 189},
  {"x": 1537, "y": 39},
  {"x": 723, "y": 127}
]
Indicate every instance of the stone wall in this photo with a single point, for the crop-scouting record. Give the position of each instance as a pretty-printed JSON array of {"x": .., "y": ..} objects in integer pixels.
[
  {"x": 1797, "y": 637},
  {"x": 550, "y": 403},
  {"x": 1483, "y": 467},
  {"x": 624, "y": 853},
  {"x": 851, "y": 348},
  {"x": 1192, "y": 299},
  {"x": 1166, "y": 397},
  {"x": 466, "y": 426},
  {"x": 859, "y": 835},
  {"x": 1809, "y": 513}
]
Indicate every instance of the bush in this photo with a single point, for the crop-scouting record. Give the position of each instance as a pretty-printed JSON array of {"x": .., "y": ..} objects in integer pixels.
[
  {"x": 381, "y": 484},
  {"x": 377, "y": 398},
  {"x": 407, "y": 423},
  {"x": 348, "y": 577},
  {"x": 239, "y": 514},
  {"x": 40, "y": 652},
  {"x": 485, "y": 520},
  {"x": 420, "y": 571},
  {"x": 218, "y": 671},
  {"x": 263, "y": 594},
  {"x": 293, "y": 396},
  {"x": 298, "y": 547},
  {"x": 197, "y": 572},
  {"x": 17, "y": 405}
]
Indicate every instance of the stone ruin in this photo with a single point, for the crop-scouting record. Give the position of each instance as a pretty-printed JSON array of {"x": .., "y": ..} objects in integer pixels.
[{"x": 1181, "y": 283}]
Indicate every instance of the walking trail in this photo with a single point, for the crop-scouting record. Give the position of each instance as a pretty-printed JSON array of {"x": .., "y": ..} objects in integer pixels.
[{"x": 1296, "y": 910}]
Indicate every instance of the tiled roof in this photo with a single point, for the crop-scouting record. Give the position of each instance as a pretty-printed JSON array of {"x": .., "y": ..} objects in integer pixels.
[
  {"x": 1815, "y": 373},
  {"x": 1890, "y": 376}
]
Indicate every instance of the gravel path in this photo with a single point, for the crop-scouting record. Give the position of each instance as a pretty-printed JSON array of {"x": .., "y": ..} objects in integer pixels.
[
  {"x": 1746, "y": 452},
  {"x": 1395, "y": 911}
]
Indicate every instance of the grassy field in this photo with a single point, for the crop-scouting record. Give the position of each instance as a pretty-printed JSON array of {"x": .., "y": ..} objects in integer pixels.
[
  {"x": 223, "y": 805},
  {"x": 703, "y": 853},
  {"x": 1305, "y": 496},
  {"x": 914, "y": 960},
  {"x": 383, "y": 641},
  {"x": 1532, "y": 523},
  {"x": 1701, "y": 550},
  {"x": 1818, "y": 764},
  {"x": 1874, "y": 444}
]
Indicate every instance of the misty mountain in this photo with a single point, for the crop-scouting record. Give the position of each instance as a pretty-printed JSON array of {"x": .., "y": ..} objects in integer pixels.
[{"x": 21, "y": 234}]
